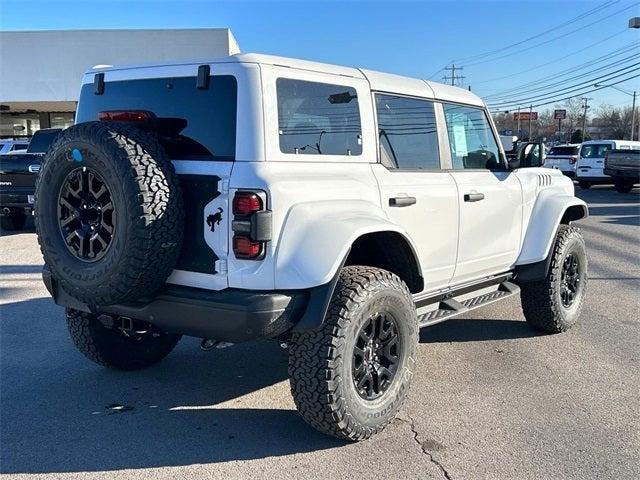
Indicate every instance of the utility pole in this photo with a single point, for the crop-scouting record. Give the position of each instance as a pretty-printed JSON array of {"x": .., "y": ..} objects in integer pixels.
[
  {"x": 584, "y": 117},
  {"x": 518, "y": 123},
  {"x": 530, "y": 115},
  {"x": 633, "y": 116},
  {"x": 453, "y": 76}
]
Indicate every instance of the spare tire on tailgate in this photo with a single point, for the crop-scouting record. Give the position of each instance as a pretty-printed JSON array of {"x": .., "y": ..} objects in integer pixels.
[{"x": 109, "y": 213}]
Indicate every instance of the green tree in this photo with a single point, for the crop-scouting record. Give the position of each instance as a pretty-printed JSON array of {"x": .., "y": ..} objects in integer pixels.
[{"x": 576, "y": 136}]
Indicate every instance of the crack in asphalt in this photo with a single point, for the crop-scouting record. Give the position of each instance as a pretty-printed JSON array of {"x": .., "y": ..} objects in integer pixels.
[{"x": 412, "y": 425}]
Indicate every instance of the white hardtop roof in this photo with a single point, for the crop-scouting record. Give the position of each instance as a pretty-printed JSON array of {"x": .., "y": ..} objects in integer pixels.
[
  {"x": 623, "y": 142},
  {"x": 385, "y": 82}
]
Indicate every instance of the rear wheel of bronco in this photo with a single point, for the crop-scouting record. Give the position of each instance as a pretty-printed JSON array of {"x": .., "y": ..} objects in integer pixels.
[
  {"x": 13, "y": 221},
  {"x": 553, "y": 305},
  {"x": 349, "y": 377},
  {"x": 118, "y": 348},
  {"x": 109, "y": 213},
  {"x": 584, "y": 184}
]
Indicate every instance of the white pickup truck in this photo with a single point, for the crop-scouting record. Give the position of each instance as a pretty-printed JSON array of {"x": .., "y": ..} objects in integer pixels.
[{"x": 336, "y": 209}]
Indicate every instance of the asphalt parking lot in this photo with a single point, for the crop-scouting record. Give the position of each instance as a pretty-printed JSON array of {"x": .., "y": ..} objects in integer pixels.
[{"x": 492, "y": 398}]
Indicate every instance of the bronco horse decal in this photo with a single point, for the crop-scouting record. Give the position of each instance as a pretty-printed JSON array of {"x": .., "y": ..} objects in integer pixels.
[{"x": 215, "y": 219}]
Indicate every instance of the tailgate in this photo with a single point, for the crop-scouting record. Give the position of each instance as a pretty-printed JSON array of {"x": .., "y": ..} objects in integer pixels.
[{"x": 203, "y": 259}]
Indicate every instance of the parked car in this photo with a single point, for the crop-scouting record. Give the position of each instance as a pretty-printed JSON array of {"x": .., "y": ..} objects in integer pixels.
[
  {"x": 18, "y": 172},
  {"x": 590, "y": 166},
  {"x": 7, "y": 146},
  {"x": 335, "y": 209},
  {"x": 623, "y": 166},
  {"x": 563, "y": 158}
]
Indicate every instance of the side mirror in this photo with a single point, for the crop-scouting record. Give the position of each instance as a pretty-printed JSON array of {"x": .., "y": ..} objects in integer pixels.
[
  {"x": 513, "y": 163},
  {"x": 531, "y": 154}
]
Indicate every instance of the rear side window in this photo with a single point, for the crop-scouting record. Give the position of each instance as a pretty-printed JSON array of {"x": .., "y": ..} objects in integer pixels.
[
  {"x": 18, "y": 146},
  {"x": 318, "y": 118},
  {"x": 471, "y": 139},
  {"x": 567, "y": 151},
  {"x": 596, "y": 150},
  {"x": 193, "y": 124},
  {"x": 407, "y": 133}
]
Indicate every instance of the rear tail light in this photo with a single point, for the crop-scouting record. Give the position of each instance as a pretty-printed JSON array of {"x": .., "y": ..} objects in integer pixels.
[
  {"x": 244, "y": 247},
  {"x": 251, "y": 224},
  {"x": 125, "y": 116},
  {"x": 573, "y": 159},
  {"x": 246, "y": 203}
]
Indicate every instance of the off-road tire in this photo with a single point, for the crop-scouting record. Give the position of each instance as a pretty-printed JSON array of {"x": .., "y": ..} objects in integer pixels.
[
  {"x": 541, "y": 300},
  {"x": 13, "y": 222},
  {"x": 109, "y": 347},
  {"x": 584, "y": 184},
  {"x": 320, "y": 360},
  {"x": 148, "y": 206},
  {"x": 623, "y": 187}
]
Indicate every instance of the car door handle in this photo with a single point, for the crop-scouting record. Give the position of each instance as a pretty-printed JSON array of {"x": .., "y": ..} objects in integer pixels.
[
  {"x": 473, "y": 197},
  {"x": 402, "y": 201}
]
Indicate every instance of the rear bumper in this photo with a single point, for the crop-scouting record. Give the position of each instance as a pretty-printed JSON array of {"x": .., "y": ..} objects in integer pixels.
[
  {"x": 16, "y": 200},
  {"x": 230, "y": 315},
  {"x": 631, "y": 175}
]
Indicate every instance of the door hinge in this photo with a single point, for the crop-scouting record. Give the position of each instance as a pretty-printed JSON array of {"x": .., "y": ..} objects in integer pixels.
[
  {"x": 225, "y": 186},
  {"x": 221, "y": 266}
]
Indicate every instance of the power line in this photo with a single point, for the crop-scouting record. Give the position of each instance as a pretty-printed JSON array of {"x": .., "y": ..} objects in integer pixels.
[
  {"x": 558, "y": 59},
  {"x": 568, "y": 22},
  {"x": 603, "y": 78},
  {"x": 506, "y": 94},
  {"x": 550, "y": 40},
  {"x": 562, "y": 99}
]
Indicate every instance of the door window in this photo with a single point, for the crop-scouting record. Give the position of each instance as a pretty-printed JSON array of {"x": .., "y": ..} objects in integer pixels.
[
  {"x": 407, "y": 133},
  {"x": 471, "y": 139},
  {"x": 318, "y": 118},
  {"x": 595, "y": 150}
]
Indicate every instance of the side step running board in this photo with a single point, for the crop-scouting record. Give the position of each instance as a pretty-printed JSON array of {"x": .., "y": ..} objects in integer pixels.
[{"x": 450, "y": 307}]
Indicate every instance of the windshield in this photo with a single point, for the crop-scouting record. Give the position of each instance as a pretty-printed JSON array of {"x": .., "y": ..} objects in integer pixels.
[
  {"x": 595, "y": 150},
  {"x": 563, "y": 151}
]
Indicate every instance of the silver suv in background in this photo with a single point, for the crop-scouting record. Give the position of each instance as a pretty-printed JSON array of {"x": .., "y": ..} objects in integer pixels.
[{"x": 563, "y": 158}]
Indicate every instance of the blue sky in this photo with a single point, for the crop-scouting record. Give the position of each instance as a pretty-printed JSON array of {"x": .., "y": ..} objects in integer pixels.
[{"x": 408, "y": 38}]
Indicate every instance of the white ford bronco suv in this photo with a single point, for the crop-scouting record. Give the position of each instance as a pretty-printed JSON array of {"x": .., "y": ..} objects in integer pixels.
[{"x": 335, "y": 209}]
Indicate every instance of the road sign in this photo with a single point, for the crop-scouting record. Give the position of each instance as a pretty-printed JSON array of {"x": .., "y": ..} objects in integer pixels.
[
  {"x": 525, "y": 115},
  {"x": 559, "y": 114}
]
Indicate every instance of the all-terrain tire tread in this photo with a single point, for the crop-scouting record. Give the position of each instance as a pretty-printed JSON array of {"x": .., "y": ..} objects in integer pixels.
[
  {"x": 539, "y": 304},
  {"x": 314, "y": 358}
]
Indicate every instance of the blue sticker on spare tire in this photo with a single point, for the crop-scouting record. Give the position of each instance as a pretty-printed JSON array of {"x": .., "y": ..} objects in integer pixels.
[{"x": 77, "y": 155}]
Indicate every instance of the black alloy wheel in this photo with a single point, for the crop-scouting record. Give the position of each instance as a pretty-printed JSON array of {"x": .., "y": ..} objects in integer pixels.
[
  {"x": 376, "y": 356},
  {"x": 569, "y": 280},
  {"x": 86, "y": 215}
]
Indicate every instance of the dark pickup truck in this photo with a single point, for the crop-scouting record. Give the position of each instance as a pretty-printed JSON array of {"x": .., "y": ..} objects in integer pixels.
[
  {"x": 624, "y": 167},
  {"x": 18, "y": 173}
]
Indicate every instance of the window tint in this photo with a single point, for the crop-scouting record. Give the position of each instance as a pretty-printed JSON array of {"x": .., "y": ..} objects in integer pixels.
[
  {"x": 471, "y": 139},
  {"x": 563, "y": 151},
  {"x": 193, "y": 124},
  {"x": 596, "y": 150},
  {"x": 19, "y": 146},
  {"x": 318, "y": 118},
  {"x": 407, "y": 133}
]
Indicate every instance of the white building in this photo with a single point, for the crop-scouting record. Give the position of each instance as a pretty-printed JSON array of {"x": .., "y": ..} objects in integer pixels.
[{"x": 40, "y": 71}]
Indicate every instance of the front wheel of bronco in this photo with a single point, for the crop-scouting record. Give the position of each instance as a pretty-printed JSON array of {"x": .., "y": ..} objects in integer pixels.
[
  {"x": 115, "y": 347},
  {"x": 553, "y": 304},
  {"x": 350, "y": 376}
]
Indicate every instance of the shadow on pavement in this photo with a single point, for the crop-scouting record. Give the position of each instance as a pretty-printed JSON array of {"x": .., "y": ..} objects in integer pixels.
[
  {"x": 476, "y": 330},
  {"x": 55, "y": 413}
]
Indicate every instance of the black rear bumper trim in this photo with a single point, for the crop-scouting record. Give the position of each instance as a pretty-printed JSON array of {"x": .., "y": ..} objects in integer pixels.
[{"x": 230, "y": 315}]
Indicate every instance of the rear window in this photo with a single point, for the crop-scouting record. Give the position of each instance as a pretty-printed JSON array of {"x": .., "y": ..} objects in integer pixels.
[
  {"x": 318, "y": 118},
  {"x": 596, "y": 150},
  {"x": 201, "y": 123},
  {"x": 563, "y": 151}
]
